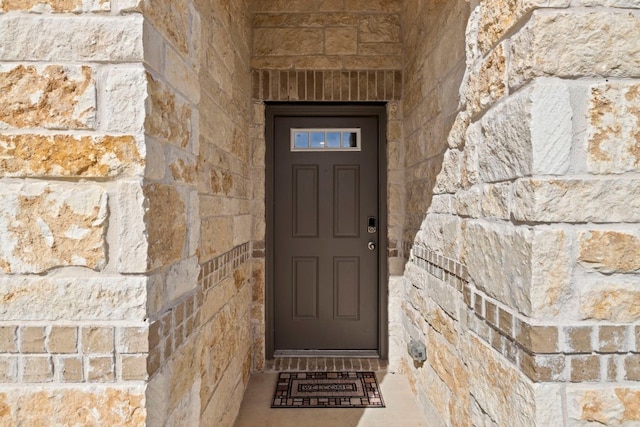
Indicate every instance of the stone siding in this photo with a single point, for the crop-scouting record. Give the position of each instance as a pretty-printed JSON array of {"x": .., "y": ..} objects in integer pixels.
[{"x": 523, "y": 274}]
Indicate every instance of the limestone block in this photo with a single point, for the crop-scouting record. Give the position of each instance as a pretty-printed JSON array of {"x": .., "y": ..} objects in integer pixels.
[
  {"x": 187, "y": 411},
  {"x": 297, "y": 6},
  {"x": 576, "y": 200},
  {"x": 165, "y": 221},
  {"x": 47, "y": 96},
  {"x": 32, "y": 155},
  {"x": 155, "y": 161},
  {"x": 157, "y": 398},
  {"x": 288, "y": 41},
  {"x": 613, "y": 132},
  {"x": 487, "y": 81},
  {"x": 341, "y": 41},
  {"x": 154, "y": 46},
  {"x": 499, "y": 16},
  {"x": 217, "y": 236},
  {"x": 194, "y": 220},
  {"x": 39, "y": 6},
  {"x": 616, "y": 301},
  {"x": 50, "y": 225},
  {"x": 66, "y": 38},
  {"x": 470, "y": 168},
  {"x": 125, "y": 93},
  {"x": 100, "y": 406},
  {"x": 456, "y": 138},
  {"x": 182, "y": 278},
  {"x": 168, "y": 116},
  {"x": 551, "y": 269},
  {"x": 170, "y": 18},
  {"x": 448, "y": 180},
  {"x": 379, "y": 28},
  {"x": 183, "y": 168},
  {"x": 609, "y": 251},
  {"x": 181, "y": 76},
  {"x": 530, "y": 133},
  {"x": 498, "y": 257},
  {"x": 132, "y": 233},
  {"x": 467, "y": 203},
  {"x": 60, "y": 298},
  {"x": 184, "y": 367},
  {"x": 549, "y": 407},
  {"x": 389, "y": 6},
  {"x": 611, "y": 406},
  {"x": 499, "y": 388},
  {"x": 496, "y": 200},
  {"x": 542, "y": 48}
]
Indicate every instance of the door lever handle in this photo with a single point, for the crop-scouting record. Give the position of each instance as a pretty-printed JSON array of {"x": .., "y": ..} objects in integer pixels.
[{"x": 371, "y": 246}]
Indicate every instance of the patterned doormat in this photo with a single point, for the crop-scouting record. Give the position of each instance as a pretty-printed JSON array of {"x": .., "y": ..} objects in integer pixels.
[{"x": 327, "y": 390}]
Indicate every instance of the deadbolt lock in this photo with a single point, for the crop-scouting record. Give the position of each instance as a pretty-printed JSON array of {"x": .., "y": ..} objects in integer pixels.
[{"x": 372, "y": 227}]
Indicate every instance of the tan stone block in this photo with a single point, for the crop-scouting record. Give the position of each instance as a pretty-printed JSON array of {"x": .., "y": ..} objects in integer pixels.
[
  {"x": 32, "y": 339},
  {"x": 102, "y": 407},
  {"x": 578, "y": 339},
  {"x": 616, "y": 302},
  {"x": 613, "y": 128},
  {"x": 55, "y": 5},
  {"x": 379, "y": 28},
  {"x": 37, "y": 369},
  {"x": 606, "y": 406},
  {"x": 39, "y": 407},
  {"x": 388, "y": 6},
  {"x": 8, "y": 371},
  {"x": 341, "y": 41},
  {"x": 542, "y": 368},
  {"x": 69, "y": 156},
  {"x": 297, "y": 6},
  {"x": 540, "y": 47},
  {"x": 170, "y": 18},
  {"x": 62, "y": 339},
  {"x": 609, "y": 251},
  {"x": 71, "y": 369},
  {"x": 100, "y": 369},
  {"x": 134, "y": 367},
  {"x": 487, "y": 83},
  {"x": 50, "y": 225},
  {"x": 585, "y": 368},
  {"x": 52, "y": 97},
  {"x": 166, "y": 224},
  {"x": 8, "y": 339},
  {"x": 538, "y": 339},
  {"x": 97, "y": 340},
  {"x": 576, "y": 200},
  {"x": 287, "y": 41},
  {"x": 169, "y": 117}
]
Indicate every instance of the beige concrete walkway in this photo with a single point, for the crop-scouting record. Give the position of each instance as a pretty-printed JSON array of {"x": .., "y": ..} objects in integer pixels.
[{"x": 401, "y": 409}]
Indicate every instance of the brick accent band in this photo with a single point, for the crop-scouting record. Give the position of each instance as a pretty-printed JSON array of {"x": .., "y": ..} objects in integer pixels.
[
  {"x": 326, "y": 85},
  {"x": 544, "y": 353}
]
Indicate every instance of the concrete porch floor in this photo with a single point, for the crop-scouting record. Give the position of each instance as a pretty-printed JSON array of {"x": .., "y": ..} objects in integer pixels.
[{"x": 401, "y": 409}]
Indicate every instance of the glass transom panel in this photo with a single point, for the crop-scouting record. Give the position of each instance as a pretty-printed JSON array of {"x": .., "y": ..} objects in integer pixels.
[{"x": 325, "y": 139}]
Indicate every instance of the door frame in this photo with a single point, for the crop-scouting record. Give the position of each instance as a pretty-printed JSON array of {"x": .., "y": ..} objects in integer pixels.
[{"x": 343, "y": 109}]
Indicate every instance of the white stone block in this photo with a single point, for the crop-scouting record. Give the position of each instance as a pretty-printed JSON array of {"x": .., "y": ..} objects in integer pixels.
[
  {"x": 181, "y": 76},
  {"x": 71, "y": 38},
  {"x": 125, "y": 94},
  {"x": 133, "y": 244},
  {"x": 182, "y": 278},
  {"x": 72, "y": 298}
]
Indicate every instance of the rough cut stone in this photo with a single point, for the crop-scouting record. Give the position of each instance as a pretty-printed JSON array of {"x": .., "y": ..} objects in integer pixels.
[
  {"x": 541, "y": 47},
  {"x": 574, "y": 200},
  {"x": 30, "y": 155},
  {"x": 498, "y": 257},
  {"x": 287, "y": 41},
  {"x": 613, "y": 141},
  {"x": 171, "y": 18},
  {"x": 51, "y": 96},
  {"x": 40, "y": 6},
  {"x": 166, "y": 224},
  {"x": 125, "y": 91},
  {"x": 530, "y": 133},
  {"x": 50, "y": 225},
  {"x": 64, "y": 38},
  {"x": 611, "y": 301},
  {"x": 609, "y": 251},
  {"x": 60, "y": 298},
  {"x": 379, "y": 28},
  {"x": 487, "y": 81},
  {"x": 134, "y": 244},
  {"x": 611, "y": 406},
  {"x": 168, "y": 117}
]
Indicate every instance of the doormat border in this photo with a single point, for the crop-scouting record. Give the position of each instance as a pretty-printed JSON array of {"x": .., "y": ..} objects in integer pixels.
[{"x": 351, "y": 389}]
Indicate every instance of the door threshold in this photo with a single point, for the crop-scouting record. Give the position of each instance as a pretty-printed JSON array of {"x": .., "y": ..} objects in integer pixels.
[{"x": 373, "y": 354}]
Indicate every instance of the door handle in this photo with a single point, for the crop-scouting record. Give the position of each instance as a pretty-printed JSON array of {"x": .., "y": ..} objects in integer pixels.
[{"x": 371, "y": 246}]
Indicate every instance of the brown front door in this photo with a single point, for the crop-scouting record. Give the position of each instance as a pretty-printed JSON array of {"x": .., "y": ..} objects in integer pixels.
[{"x": 326, "y": 224}]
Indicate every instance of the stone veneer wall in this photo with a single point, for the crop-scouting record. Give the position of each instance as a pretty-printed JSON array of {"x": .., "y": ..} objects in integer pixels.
[
  {"x": 523, "y": 278},
  {"x": 125, "y": 225},
  {"x": 323, "y": 51}
]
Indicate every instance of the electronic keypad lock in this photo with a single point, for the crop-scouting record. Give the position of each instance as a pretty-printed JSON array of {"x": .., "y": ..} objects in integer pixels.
[{"x": 372, "y": 227}]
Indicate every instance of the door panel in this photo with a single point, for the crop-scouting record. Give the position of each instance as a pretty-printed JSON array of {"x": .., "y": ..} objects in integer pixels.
[{"x": 325, "y": 276}]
